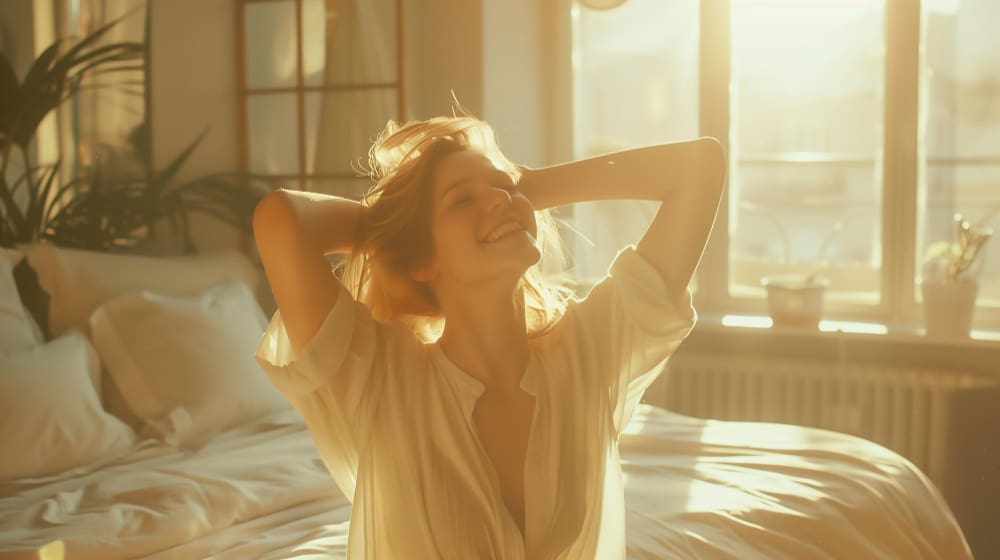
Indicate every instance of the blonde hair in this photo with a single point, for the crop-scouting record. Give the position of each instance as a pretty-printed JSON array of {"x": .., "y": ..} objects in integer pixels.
[{"x": 394, "y": 233}]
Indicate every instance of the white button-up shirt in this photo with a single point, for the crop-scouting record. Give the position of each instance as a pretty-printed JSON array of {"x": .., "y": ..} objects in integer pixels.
[{"x": 391, "y": 418}]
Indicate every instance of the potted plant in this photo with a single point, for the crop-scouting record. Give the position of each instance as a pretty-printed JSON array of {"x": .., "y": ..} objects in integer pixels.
[
  {"x": 796, "y": 300},
  {"x": 949, "y": 282},
  {"x": 98, "y": 210}
]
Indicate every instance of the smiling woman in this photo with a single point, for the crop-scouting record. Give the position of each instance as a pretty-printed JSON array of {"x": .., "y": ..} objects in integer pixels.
[
  {"x": 423, "y": 230},
  {"x": 496, "y": 436}
]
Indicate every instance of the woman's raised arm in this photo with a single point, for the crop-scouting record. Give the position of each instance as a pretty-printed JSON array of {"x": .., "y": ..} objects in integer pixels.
[
  {"x": 688, "y": 177},
  {"x": 330, "y": 222},
  {"x": 294, "y": 231}
]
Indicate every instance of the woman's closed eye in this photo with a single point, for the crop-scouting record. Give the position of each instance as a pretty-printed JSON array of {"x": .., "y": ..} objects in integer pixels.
[{"x": 466, "y": 198}]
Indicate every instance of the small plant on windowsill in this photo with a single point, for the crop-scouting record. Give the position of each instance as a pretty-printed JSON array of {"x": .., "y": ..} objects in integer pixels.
[
  {"x": 796, "y": 300},
  {"x": 950, "y": 283}
]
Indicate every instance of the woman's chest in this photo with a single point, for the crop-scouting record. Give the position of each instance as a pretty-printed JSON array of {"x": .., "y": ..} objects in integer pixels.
[{"x": 504, "y": 430}]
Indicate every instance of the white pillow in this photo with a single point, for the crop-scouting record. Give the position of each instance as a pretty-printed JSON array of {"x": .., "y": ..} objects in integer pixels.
[
  {"x": 17, "y": 328},
  {"x": 50, "y": 414},
  {"x": 184, "y": 364},
  {"x": 78, "y": 281}
]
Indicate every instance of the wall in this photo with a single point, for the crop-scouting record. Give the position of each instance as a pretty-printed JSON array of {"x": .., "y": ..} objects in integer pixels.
[
  {"x": 513, "y": 78},
  {"x": 26, "y": 29},
  {"x": 443, "y": 53},
  {"x": 17, "y": 36},
  {"x": 194, "y": 87}
]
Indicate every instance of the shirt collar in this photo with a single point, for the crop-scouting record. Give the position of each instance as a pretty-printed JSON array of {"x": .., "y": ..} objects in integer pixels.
[{"x": 469, "y": 388}]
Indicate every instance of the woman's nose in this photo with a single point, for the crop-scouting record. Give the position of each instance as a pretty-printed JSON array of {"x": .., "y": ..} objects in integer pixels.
[{"x": 500, "y": 198}]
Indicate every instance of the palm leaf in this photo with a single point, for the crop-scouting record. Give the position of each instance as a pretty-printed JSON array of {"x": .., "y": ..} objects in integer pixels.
[{"x": 168, "y": 174}]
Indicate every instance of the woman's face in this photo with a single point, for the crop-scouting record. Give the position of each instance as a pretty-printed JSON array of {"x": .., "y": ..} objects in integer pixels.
[{"x": 471, "y": 199}]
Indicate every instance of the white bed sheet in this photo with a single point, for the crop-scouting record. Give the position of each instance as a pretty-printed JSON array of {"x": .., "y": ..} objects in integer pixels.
[{"x": 694, "y": 489}]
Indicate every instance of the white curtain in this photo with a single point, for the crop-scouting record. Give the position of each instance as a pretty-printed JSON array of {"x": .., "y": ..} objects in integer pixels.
[{"x": 360, "y": 48}]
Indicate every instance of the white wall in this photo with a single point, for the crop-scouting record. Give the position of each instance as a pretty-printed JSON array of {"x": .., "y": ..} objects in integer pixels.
[
  {"x": 17, "y": 33},
  {"x": 513, "y": 78},
  {"x": 194, "y": 83},
  {"x": 500, "y": 57},
  {"x": 194, "y": 87},
  {"x": 443, "y": 52}
]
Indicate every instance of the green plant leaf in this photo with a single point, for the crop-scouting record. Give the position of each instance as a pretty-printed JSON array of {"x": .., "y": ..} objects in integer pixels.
[
  {"x": 36, "y": 211},
  {"x": 937, "y": 250},
  {"x": 168, "y": 173}
]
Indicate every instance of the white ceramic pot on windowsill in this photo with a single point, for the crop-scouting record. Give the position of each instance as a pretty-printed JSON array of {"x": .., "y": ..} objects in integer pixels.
[
  {"x": 949, "y": 307},
  {"x": 795, "y": 300}
]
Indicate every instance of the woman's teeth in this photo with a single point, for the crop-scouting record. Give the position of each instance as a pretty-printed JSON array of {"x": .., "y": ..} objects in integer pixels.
[{"x": 503, "y": 231}]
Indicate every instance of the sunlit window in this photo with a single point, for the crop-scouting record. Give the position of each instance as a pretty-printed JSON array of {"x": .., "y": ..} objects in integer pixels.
[
  {"x": 961, "y": 119},
  {"x": 636, "y": 83},
  {"x": 805, "y": 143},
  {"x": 806, "y": 85}
]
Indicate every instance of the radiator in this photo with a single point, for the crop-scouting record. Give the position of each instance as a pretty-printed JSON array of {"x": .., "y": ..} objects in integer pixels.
[{"x": 904, "y": 409}]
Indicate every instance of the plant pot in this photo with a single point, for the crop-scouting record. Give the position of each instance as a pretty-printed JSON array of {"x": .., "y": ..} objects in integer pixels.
[
  {"x": 793, "y": 301},
  {"x": 949, "y": 307}
]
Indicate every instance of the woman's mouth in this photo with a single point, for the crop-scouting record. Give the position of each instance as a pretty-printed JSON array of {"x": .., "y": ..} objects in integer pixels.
[{"x": 503, "y": 232}]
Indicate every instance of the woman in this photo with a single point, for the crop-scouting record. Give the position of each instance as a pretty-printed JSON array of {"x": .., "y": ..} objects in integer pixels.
[{"x": 465, "y": 404}]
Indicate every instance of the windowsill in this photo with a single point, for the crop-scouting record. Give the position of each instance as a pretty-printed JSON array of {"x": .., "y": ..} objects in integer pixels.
[
  {"x": 858, "y": 330},
  {"x": 844, "y": 342}
]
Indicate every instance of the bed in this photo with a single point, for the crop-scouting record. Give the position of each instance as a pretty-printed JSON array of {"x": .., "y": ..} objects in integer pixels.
[{"x": 110, "y": 453}]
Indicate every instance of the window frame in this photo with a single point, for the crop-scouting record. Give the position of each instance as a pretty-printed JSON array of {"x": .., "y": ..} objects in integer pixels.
[
  {"x": 897, "y": 302},
  {"x": 303, "y": 179}
]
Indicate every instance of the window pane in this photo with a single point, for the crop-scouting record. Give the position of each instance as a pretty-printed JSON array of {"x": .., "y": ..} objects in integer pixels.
[
  {"x": 961, "y": 117},
  {"x": 270, "y": 44},
  {"x": 805, "y": 187},
  {"x": 272, "y": 130},
  {"x": 962, "y": 78},
  {"x": 340, "y": 126},
  {"x": 349, "y": 42},
  {"x": 971, "y": 190},
  {"x": 635, "y": 83}
]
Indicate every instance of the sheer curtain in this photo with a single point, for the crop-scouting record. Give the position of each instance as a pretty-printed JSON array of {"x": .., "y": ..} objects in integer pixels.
[
  {"x": 360, "y": 52},
  {"x": 271, "y": 51}
]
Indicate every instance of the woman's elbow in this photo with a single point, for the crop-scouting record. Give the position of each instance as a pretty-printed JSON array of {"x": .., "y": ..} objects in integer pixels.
[
  {"x": 712, "y": 165},
  {"x": 271, "y": 215}
]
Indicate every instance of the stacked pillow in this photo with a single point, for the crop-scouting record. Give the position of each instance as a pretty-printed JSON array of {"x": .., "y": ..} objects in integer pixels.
[
  {"x": 51, "y": 418},
  {"x": 184, "y": 364},
  {"x": 78, "y": 281},
  {"x": 173, "y": 336}
]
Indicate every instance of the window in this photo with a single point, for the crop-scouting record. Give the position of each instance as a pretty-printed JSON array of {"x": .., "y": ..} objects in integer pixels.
[
  {"x": 960, "y": 120},
  {"x": 634, "y": 85},
  {"x": 855, "y": 129},
  {"x": 320, "y": 79},
  {"x": 805, "y": 143}
]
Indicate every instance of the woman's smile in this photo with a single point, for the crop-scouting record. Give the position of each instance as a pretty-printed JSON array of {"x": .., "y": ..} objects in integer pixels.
[{"x": 510, "y": 236}]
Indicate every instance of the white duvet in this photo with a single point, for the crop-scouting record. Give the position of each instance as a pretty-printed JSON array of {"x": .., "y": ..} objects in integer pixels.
[{"x": 694, "y": 489}]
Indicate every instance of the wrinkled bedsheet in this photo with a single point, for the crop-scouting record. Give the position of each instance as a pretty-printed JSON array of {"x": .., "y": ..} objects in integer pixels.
[{"x": 694, "y": 489}]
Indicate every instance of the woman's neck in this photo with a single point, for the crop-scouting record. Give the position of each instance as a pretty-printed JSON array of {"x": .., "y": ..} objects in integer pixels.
[{"x": 487, "y": 338}]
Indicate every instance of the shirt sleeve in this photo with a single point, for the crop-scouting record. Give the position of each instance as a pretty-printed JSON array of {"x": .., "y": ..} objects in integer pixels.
[
  {"x": 626, "y": 328},
  {"x": 337, "y": 380}
]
